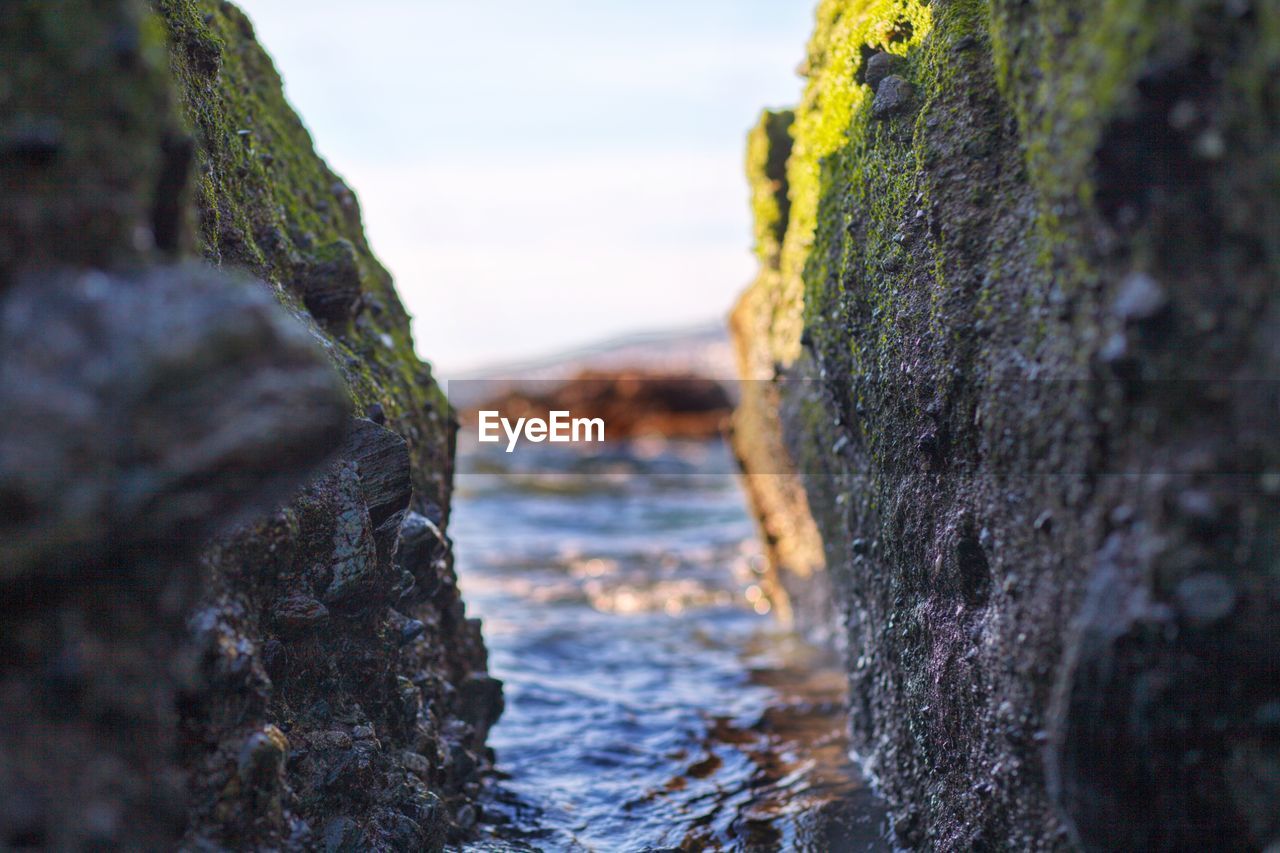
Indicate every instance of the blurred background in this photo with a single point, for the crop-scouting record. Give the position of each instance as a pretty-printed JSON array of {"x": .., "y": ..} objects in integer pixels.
[{"x": 543, "y": 175}]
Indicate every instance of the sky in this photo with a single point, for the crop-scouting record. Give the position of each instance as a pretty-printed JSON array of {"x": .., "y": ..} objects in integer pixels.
[{"x": 539, "y": 176}]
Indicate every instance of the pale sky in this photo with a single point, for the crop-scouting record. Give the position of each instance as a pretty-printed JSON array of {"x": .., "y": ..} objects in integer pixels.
[{"x": 539, "y": 176}]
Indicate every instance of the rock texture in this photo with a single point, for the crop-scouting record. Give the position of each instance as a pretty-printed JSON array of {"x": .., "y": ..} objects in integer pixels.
[
  {"x": 1019, "y": 325},
  {"x": 230, "y": 618}
]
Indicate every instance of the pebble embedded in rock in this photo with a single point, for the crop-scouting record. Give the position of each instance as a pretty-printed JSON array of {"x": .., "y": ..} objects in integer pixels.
[
  {"x": 411, "y": 630},
  {"x": 335, "y": 739},
  {"x": 1198, "y": 506},
  {"x": 1205, "y": 599},
  {"x": 262, "y": 757},
  {"x": 1140, "y": 298},
  {"x": 421, "y": 549},
  {"x": 465, "y": 817},
  {"x": 880, "y": 66},
  {"x": 330, "y": 284},
  {"x": 342, "y": 834},
  {"x": 1115, "y": 349},
  {"x": 893, "y": 95},
  {"x": 299, "y": 612},
  {"x": 416, "y": 764},
  {"x": 354, "y": 556}
]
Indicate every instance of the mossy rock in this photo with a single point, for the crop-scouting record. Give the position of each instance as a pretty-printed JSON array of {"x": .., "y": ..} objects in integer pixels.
[
  {"x": 291, "y": 674},
  {"x": 986, "y": 430}
]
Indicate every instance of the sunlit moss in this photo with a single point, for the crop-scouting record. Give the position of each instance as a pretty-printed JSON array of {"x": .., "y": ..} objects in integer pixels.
[
  {"x": 269, "y": 203},
  {"x": 768, "y": 150},
  {"x": 826, "y": 121}
]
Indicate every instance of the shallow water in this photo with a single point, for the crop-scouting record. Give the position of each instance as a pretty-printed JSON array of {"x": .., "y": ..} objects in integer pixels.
[{"x": 651, "y": 701}]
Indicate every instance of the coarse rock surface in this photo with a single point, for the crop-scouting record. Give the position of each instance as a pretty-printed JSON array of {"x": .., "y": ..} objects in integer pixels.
[
  {"x": 230, "y": 619},
  {"x": 1019, "y": 336}
]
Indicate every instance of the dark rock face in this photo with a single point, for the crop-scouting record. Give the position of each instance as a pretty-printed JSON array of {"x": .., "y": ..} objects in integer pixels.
[
  {"x": 230, "y": 617},
  {"x": 1026, "y": 344},
  {"x": 141, "y": 412}
]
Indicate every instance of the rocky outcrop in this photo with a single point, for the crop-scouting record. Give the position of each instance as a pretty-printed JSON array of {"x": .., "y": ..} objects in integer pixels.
[
  {"x": 1017, "y": 325},
  {"x": 632, "y": 404},
  {"x": 230, "y": 618}
]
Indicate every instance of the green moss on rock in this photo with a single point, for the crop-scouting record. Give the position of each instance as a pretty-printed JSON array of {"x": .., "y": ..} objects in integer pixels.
[
  {"x": 310, "y": 678},
  {"x": 969, "y": 392},
  {"x": 87, "y": 108},
  {"x": 269, "y": 204}
]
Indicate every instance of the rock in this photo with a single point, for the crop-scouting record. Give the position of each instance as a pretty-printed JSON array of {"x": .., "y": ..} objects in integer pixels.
[
  {"x": 1198, "y": 506},
  {"x": 421, "y": 550},
  {"x": 262, "y": 759},
  {"x": 411, "y": 630},
  {"x": 480, "y": 701},
  {"x": 168, "y": 380},
  {"x": 465, "y": 817},
  {"x": 167, "y": 620},
  {"x": 382, "y": 458},
  {"x": 410, "y": 696},
  {"x": 353, "y": 562},
  {"x": 1140, "y": 298},
  {"x": 632, "y": 403},
  {"x": 881, "y": 66},
  {"x": 893, "y": 95},
  {"x": 298, "y": 612},
  {"x": 330, "y": 285},
  {"x": 1140, "y": 641},
  {"x": 1205, "y": 599},
  {"x": 342, "y": 835},
  {"x": 416, "y": 764},
  {"x": 333, "y": 739},
  {"x": 1115, "y": 350}
]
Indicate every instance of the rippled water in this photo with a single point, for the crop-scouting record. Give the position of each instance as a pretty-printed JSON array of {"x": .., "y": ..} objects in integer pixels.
[{"x": 650, "y": 702}]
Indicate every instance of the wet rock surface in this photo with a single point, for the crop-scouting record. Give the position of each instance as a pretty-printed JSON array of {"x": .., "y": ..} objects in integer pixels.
[
  {"x": 230, "y": 619},
  {"x": 1025, "y": 349}
]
